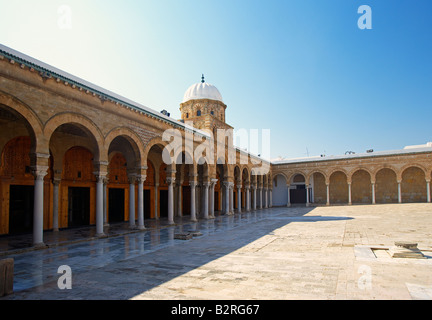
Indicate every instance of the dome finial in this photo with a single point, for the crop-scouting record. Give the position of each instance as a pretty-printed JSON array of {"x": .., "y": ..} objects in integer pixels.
[{"x": 202, "y": 79}]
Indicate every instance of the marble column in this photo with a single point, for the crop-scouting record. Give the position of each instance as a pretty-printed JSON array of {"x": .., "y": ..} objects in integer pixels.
[
  {"x": 288, "y": 196},
  {"x": 254, "y": 202},
  {"x": 239, "y": 198},
  {"x": 170, "y": 182},
  {"x": 307, "y": 196},
  {"x": 132, "y": 180},
  {"x": 399, "y": 192},
  {"x": 212, "y": 197},
  {"x": 231, "y": 197},
  {"x": 349, "y": 194},
  {"x": 247, "y": 188},
  {"x": 227, "y": 197},
  {"x": 206, "y": 186},
  {"x": 38, "y": 205},
  {"x": 373, "y": 193},
  {"x": 328, "y": 193},
  {"x": 99, "y": 204},
  {"x": 192, "y": 201},
  {"x": 141, "y": 180},
  {"x": 428, "y": 195}
]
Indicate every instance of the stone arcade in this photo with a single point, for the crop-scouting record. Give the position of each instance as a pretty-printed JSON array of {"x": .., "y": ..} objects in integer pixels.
[{"x": 74, "y": 154}]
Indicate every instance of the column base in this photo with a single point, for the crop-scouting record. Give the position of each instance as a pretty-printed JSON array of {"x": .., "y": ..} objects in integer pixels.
[
  {"x": 141, "y": 227},
  {"x": 100, "y": 235},
  {"x": 39, "y": 245}
]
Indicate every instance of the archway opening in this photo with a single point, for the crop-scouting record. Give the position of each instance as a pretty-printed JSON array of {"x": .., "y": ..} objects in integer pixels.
[
  {"x": 361, "y": 187},
  {"x": 413, "y": 185},
  {"x": 298, "y": 189},
  {"x": 338, "y": 188},
  {"x": 386, "y": 188}
]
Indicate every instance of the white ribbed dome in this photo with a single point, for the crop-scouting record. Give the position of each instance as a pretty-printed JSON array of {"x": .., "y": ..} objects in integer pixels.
[{"x": 202, "y": 90}]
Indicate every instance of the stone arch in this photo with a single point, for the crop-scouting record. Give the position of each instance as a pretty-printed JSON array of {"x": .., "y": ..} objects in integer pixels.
[
  {"x": 409, "y": 165},
  {"x": 237, "y": 174},
  {"x": 286, "y": 177},
  {"x": 318, "y": 180},
  {"x": 386, "y": 187},
  {"x": 413, "y": 184},
  {"x": 353, "y": 171},
  {"x": 298, "y": 177},
  {"x": 361, "y": 186},
  {"x": 338, "y": 187},
  {"x": 311, "y": 174},
  {"x": 90, "y": 128},
  {"x": 32, "y": 121},
  {"x": 245, "y": 175},
  {"x": 131, "y": 137},
  {"x": 153, "y": 142}
]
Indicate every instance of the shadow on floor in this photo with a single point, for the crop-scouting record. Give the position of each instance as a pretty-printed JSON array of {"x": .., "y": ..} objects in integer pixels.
[{"x": 126, "y": 265}]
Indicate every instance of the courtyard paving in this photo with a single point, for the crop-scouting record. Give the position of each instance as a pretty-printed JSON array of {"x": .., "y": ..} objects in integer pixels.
[{"x": 337, "y": 252}]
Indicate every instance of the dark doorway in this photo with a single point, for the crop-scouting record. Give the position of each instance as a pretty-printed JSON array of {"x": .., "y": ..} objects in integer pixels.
[
  {"x": 298, "y": 195},
  {"x": 21, "y": 209},
  {"x": 79, "y": 206},
  {"x": 163, "y": 203},
  {"x": 116, "y": 204},
  {"x": 216, "y": 201},
  {"x": 186, "y": 193},
  {"x": 147, "y": 213}
]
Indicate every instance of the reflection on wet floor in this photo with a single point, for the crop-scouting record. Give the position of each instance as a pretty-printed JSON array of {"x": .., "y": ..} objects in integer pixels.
[{"x": 37, "y": 267}]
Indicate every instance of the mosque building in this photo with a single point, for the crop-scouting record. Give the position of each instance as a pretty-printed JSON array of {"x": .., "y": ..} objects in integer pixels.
[{"x": 75, "y": 154}]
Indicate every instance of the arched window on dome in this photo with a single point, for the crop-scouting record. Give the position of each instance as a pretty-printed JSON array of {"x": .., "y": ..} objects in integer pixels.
[
  {"x": 212, "y": 113},
  {"x": 187, "y": 115},
  {"x": 198, "y": 113}
]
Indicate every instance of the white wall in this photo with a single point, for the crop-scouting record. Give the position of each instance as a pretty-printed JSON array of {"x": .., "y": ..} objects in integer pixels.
[{"x": 280, "y": 196}]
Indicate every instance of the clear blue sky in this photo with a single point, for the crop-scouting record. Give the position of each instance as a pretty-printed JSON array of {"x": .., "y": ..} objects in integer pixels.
[{"x": 301, "y": 68}]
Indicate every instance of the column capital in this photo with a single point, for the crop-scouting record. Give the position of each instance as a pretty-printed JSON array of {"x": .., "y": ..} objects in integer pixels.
[
  {"x": 101, "y": 176},
  {"x": 56, "y": 181},
  {"x": 39, "y": 172},
  {"x": 193, "y": 184},
  {"x": 141, "y": 178},
  {"x": 132, "y": 178},
  {"x": 170, "y": 180}
]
